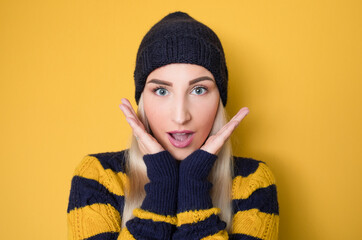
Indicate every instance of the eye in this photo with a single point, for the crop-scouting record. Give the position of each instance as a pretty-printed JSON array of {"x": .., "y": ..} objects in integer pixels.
[
  {"x": 199, "y": 90},
  {"x": 161, "y": 91}
]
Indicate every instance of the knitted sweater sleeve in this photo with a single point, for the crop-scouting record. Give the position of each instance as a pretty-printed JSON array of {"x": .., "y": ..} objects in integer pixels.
[
  {"x": 196, "y": 216},
  {"x": 97, "y": 198},
  {"x": 95, "y": 201},
  {"x": 254, "y": 202},
  {"x": 156, "y": 218}
]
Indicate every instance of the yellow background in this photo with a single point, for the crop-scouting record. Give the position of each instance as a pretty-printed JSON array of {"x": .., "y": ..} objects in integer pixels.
[{"x": 65, "y": 65}]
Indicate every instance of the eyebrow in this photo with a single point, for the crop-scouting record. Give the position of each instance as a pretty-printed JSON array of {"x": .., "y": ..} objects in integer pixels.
[{"x": 163, "y": 82}]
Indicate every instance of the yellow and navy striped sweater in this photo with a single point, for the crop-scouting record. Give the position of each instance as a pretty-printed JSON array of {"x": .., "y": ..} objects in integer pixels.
[{"x": 177, "y": 203}]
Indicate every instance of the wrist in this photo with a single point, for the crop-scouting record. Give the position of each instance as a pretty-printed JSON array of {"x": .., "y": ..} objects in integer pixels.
[
  {"x": 161, "y": 165},
  {"x": 198, "y": 164}
]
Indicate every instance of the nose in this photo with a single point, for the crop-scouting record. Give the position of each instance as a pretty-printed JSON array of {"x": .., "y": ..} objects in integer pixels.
[{"x": 180, "y": 113}]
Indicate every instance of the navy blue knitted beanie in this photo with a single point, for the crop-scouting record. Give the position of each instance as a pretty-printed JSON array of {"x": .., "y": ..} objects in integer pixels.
[{"x": 178, "y": 38}]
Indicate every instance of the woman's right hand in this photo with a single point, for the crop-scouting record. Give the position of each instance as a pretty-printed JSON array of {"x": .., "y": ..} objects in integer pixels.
[{"x": 146, "y": 143}]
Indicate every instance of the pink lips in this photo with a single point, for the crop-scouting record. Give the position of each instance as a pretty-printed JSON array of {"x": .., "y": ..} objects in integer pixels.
[{"x": 181, "y": 139}]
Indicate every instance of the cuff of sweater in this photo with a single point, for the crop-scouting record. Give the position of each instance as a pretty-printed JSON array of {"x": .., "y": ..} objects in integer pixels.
[
  {"x": 197, "y": 165},
  {"x": 161, "y": 165},
  {"x": 161, "y": 191},
  {"x": 194, "y": 188}
]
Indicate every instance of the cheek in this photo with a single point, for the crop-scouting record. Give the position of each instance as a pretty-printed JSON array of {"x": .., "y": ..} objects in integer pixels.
[
  {"x": 205, "y": 120},
  {"x": 155, "y": 116}
]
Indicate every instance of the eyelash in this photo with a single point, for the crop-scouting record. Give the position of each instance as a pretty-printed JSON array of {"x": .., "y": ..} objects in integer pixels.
[
  {"x": 162, "y": 87},
  {"x": 199, "y": 86},
  {"x": 154, "y": 90}
]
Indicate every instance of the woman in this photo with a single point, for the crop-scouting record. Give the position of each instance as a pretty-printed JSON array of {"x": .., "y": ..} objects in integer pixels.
[{"x": 178, "y": 179}]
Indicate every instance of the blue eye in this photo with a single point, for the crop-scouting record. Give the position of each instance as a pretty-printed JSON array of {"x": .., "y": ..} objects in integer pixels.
[
  {"x": 161, "y": 91},
  {"x": 199, "y": 90}
]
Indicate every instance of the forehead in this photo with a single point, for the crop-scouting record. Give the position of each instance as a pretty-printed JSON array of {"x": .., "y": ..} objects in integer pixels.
[{"x": 179, "y": 72}]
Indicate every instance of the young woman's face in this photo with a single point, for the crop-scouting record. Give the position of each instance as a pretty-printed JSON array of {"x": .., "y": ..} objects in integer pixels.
[{"x": 180, "y": 103}]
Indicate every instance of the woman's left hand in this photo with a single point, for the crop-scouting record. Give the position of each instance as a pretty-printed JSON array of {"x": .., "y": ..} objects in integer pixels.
[{"x": 215, "y": 142}]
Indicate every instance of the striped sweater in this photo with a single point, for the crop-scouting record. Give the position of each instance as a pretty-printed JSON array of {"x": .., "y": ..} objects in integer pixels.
[{"x": 177, "y": 203}]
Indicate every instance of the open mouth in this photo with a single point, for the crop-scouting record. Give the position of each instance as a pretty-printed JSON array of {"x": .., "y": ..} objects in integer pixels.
[{"x": 181, "y": 139}]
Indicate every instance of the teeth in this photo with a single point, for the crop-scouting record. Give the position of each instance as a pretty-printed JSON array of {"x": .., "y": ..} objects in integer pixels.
[{"x": 180, "y": 136}]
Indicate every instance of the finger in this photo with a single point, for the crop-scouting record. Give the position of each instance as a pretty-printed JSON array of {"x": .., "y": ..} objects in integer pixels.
[
  {"x": 129, "y": 115},
  {"x": 237, "y": 117},
  {"x": 130, "y": 112},
  {"x": 241, "y": 114},
  {"x": 225, "y": 132},
  {"x": 126, "y": 112},
  {"x": 127, "y": 103},
  {"x": 148, "y": 143},
  {"x": 138, "y": 132}
]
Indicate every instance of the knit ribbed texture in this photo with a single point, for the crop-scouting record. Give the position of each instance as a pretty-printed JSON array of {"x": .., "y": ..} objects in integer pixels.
[
  {"x": 179, "y": 38},
  {"x": 160, "y": 202},
  {"x": 161, "y": 191},
  {"x": 96, "y": 200},
  {"x": 194, "y": 188},
  {"x": 194, "y": 194}
]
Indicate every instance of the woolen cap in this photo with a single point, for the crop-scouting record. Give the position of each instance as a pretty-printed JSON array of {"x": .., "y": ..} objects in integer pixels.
[{"x": 178, "y": 38}]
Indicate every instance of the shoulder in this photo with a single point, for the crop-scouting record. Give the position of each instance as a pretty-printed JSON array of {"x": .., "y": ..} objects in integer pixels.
[
  {"x": 254, "y": 197},
  {"x": 251, "y": 175},
  {"x": 96, "y": 197},
  {"x": 111, "y": 161},
  {"x": 245, "y": 167},
  {"x": 105, "y": 169},
  {"x": 115, "y": 161}
]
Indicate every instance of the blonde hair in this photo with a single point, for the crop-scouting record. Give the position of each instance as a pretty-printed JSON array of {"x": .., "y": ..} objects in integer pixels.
[{"x": 220, "y": 176}]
